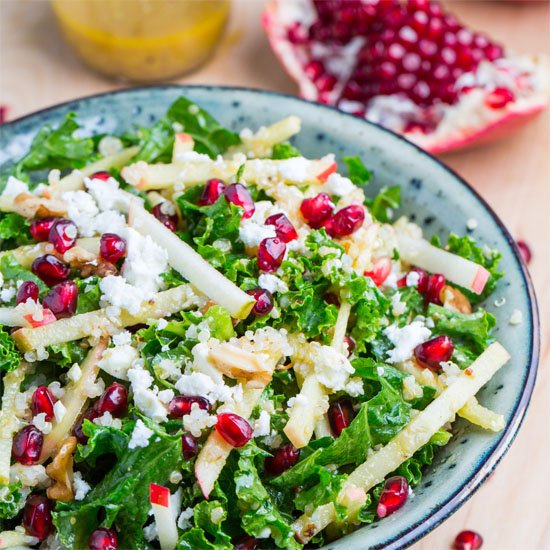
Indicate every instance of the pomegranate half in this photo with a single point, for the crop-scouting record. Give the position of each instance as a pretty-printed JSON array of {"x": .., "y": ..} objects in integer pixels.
[{"x": 409, "y": 66}]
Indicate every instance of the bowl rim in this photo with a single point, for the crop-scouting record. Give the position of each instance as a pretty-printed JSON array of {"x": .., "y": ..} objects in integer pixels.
[{"x": 496, "y": 452}]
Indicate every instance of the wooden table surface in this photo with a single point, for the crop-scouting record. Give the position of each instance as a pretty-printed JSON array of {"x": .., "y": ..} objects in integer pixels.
[{"x": 511, "y": 510}]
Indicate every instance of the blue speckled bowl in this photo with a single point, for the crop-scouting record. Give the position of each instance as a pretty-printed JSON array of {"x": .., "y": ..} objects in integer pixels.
[{"x": 434, "y": 196}]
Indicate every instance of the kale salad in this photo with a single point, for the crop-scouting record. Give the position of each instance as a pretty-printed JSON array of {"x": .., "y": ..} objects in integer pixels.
[{"x": 208, "y": 341}]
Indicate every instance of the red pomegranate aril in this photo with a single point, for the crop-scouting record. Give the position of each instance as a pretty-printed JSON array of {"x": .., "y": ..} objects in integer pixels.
[
  {"x": 264, "y": 301},
  {"x": 430, "y": 354},
  {"x": 380, "y": 271},
  {"x": 350, "y": 344},
  {"x": 234, "y": 429},
  {"x": 525, "y": 251},
  {"x": 40, "y": 228},
  {"x": 499, "y": 98},
  {"x": 101, "y": 175},
  {"x": 166, "y": 213},
  {"x": 91, "y": 414},
  {"x": 37, "y": 516},
  {"x": 238, "y": 194},
  {"x": 182, "y": 404},
  {"x": 247, "y": 543},
  {"x": 434, "y": 285},
  {"x": 213, "y": 190},
  {"x": 189, "y": 446},
  {"x": 62, "y": 299},
  {"x": 42, "y": 402},
  {"x": 50, "y": 269},
  {"x": 346, "y": 221},
  {"x": 340, "y": 414},
  {"x": 27, "y": 445},
  {"x": 283, "y": 458},
  {"x": 103, "y": 539},
  {"x": 393, "y": 496},
  {"x": 317, "y": 209},
  {"x": 113, "y": 400},
  {"x": 111, "y": 247},
  {"x": 332, "y": 298},
  {"x": 27, "y": 290},
  {"x": 271, "y": 253},
  {"x": 468, "y": 540},
  {"x": 283, "y": 227},
  {"x": 63, "y": 235}
]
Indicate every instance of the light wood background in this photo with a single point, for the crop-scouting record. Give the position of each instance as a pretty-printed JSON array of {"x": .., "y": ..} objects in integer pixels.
[{"x": 511, "y": 510}]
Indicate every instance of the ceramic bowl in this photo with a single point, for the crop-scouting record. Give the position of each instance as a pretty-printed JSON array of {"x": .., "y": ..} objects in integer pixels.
[{"x": 433, "y": 196}]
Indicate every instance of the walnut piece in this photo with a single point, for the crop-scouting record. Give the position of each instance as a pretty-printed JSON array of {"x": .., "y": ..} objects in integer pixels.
[
  {"x": 61, "y": 471},
  {"x": 453, "y": 299}
]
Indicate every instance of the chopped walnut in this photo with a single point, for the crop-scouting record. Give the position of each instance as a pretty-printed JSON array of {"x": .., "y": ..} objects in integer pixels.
[
  {"x": 61, "y": 471},
  {"x": 31, "y": 206},
  {"x": 454, "y": 299}
]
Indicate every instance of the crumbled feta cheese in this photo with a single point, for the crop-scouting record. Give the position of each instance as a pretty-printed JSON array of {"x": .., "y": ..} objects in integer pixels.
[
  {"x": 168, "y": 368},
  {"x": 516, "y": 318},
  {"x": 398, "y": 307},
  {"x": 106, "y": 420},
  {"x": 57, "y": 391},
  {"x": 354, "y": 387},
  {"x": 262, "y": 424},
  {"x": 405, "y": 339},
  {"x": 272, "y": 283},
  {"x": 74, "y": 373},
  {"x": 451, "y": 372},
  {"x": 273, "y": 440},
  {"x": 6, "y": 294},
  {"x": 331, "y": 367},
  {"x": 116, "y": 361},
  {"x": 252, "y": 234},
  {"x": 14, "y": 187},
  {"x": 183, "y": 520},
  {"x": 162, "y": 324},
  {"x": 150, "y": 532},
  {"x": 117, "y": 292},
  {"x": 412, "y": 278},
  {"x": 471, "y": 224},
  {"x": 149, "y": 404},
  {"x": 338, "y": 185},
  {"x": 40, "y": 422},
  {"x": 298, "y": 399},
  {"x": 197, "y": 383},
  {"x": 59, "y": 411},
  {"x": 200, "y": 332},
  {"x": 139, "y": 378},
  {"x": 95, "y": 390},
  {"x": 107, "y": 194},
  {"x": 380, "y": 371},
  {"x": 122, "y": 338},
  {"x": 80, "y": 486},
  {"x": 294, "y": 169},
  {"x": 140, "y": 435},
  {"x": 198, "y": 420},
  {"x": 82, "y": 210},
  {"x": 165, "y": 396},
  {"x": 109, "y": 221}
]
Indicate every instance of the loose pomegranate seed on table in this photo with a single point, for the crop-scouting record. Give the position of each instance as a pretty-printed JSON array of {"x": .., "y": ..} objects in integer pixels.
[
  {"x": 468, "y": 540},
  {"x": 431, "y": 353},
  {"x": 393, "y": 496},
  {"x": 101, "y": 175},
  {"x": 283, "y": 458},
  {"x": 234, "y": 429},
  {"x": 271, "y": 252},
  {"x": 27, "y": 290},
  {"x": 264, "y": 301},
  {"x": 50, "y": 269},
  {"x": 113, "y": 400},
  {"x": 40, "y": 228},
  {"x": 62, "y": 299},
  {"x": 238, "y": 194},
  {"x": 525, "y": 251},
  {"x": 317, "y": 209},
  {"x": 27, "y": 445},
  {"x": 166, "y": 213},
  {"x": 42, "y": 401},
  {"x": 111, "y": 247},
  {"x": 63, "y": 235},
  {"x": 189, "y": 446},
  {"x": 346, "y": 221},
  {"x": 182, "y": 404},
  {"x": 103, "y": 539},
  {"x": 380, "y": 271},
  {"x": 434, "y": 285},
  {"x": 212, "y": 191},
  {"x": 340, "y": 414},
  {"x": 37, "y": 516},
  {"x": 283, "y": 227}
]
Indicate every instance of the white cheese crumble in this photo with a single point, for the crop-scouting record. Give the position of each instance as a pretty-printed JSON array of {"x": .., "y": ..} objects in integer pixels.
[
  {"x": 398, "y": 307},
  {"x": 59, "y": 411},
  {"x": 338, "y": 185},
  {"x": 412, "y": 278},
  {"x": 262, "y": 424},
  {"x": 80, "y": 486},
  {"x": 405, "y": 339},
  {"x": 516, "y": 318},
  {"x": 41, "y": 423},
  {"x": 140, "y": 435},
  {"x": 272, "y": 283},
  {"x": 82, "y": 210},
  {"x": 183, "y": 520},
  {"x": 198, "y": 420},
  {"x": 116, "y": 361},
  {"x": 14, "y": 187},
  {"x": 162, "y": 324},
  {"x": 74, "y": 373},
  {"x": 298, "y": 399},
  {"x": 252, "y": 233},
  {"x": 106, "y": 420},
  {"x": 197, "y": 383},
  {"x": 117, "y": 292}
]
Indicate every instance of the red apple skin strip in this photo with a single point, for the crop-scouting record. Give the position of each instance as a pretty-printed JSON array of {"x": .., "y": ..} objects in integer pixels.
[{"x": 159, "y": 495}]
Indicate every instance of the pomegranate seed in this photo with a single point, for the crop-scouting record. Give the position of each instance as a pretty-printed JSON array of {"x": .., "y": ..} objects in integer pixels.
[
  {"x": 247, "y": 543},
  {"x": 434, "y": 285},
  {"x": 103, "y": 539},
  {"x": 283, "y": 458},
  {"x": 189, "y": 446},
  {"x": 238, "y": 194},
  {"x": 40, "y": 228},
  {"x": 62, "y": 299},
  {"x": 50, "y": 269},
  {"x": 166, "y": 213},
  {"x": 350, "y": 344},
  {"x": 63, "y": 235},
  {"x": 91, "y": 414},
  {"x": 234, "y": 429},
  {"x": 331, "y": 298},
  {"x": 380, "y": 271},
  {"x": 212, "y": 192},
  {"x": 42, "y": 402},
  {"x": 37, "y": 516},
  {"x": 27, "y": 445},
  {"x": 430, "y": 354},
  {"x": 283, "y": 227},
  {"x": 111, "y": 247},
  {"x": 393, "y": 496},
  {"x": 264, "y": 301},
  {"x": 101, "y": 175},
  {"x": 113, "y": 400},
  {"x": 523, "y": 248},
  {"x": 340, "y": 415},
  {"x": 317, "y": 209},
  {"x": 181, "y": 405},
  {"x": 271, "y": 253},
  {"x": 468, "y": 540},
  {"x": 27, "y": 290},
  {"x": 499, "y": 98},
  {"x": 346, "y": 221}
]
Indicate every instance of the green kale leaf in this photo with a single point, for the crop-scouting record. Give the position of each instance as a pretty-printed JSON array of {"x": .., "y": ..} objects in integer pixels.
[
  {"x": 284, "y": 151},
  {"x": 358, "y": 173},
  {"x": 10, "y": 358},
  {"x": 14, "y": 231},
  {"x": 12, "y": 500}
]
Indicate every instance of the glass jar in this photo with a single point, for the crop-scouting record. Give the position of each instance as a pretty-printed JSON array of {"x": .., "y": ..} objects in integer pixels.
[{"x": 142, "y": 40}]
